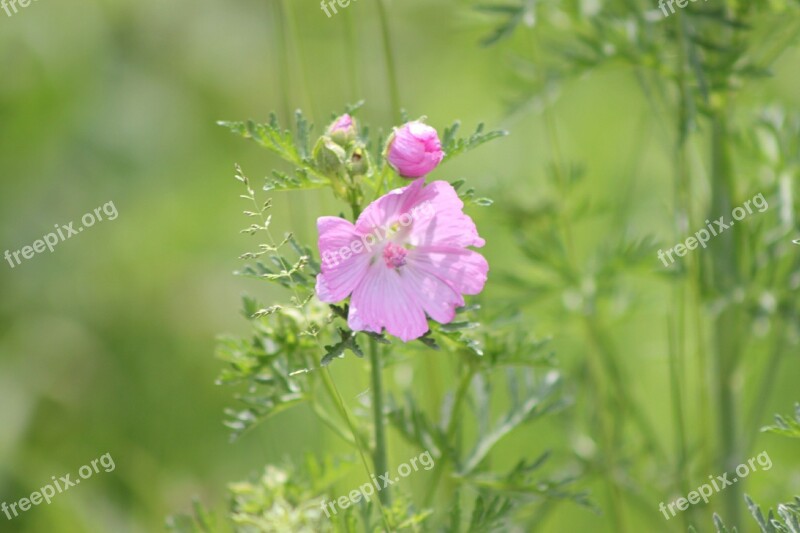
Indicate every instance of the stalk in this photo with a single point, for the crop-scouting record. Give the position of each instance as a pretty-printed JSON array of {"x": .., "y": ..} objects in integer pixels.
[
  {"x": 450, "y": 432},
  {"x": 282, "y": 48},
  {"x": 727, "y": 324},
  {"x": 291, "y": 36},
  {"x": 380, "y": 460},
  {"x": 391, "y": 70},
  {"x": 351, "y": 54}
]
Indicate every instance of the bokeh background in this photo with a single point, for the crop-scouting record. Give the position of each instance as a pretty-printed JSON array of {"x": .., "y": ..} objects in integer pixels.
[{"x": 106, "y": 344}]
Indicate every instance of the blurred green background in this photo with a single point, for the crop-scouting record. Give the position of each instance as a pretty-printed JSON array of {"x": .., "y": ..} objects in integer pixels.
[{"x": 106, "y": 344}]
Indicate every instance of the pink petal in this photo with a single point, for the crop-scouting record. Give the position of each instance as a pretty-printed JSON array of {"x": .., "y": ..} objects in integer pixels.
[
  {"x": 440, "y": 220},
  {"x": 388, "y": 208},
  {"x": 385, "y": 298},
  {"x": 464, "y": 271},
  {"x": 436, "y": 297},
  {"x": 341, "y": 269}
]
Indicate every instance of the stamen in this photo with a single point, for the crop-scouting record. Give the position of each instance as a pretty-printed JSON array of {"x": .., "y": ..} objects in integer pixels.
[{"x": 394, "y": 255}]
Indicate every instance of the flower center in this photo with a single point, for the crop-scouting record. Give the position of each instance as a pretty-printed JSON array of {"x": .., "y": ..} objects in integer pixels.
[{"x": 394, "y": 255}]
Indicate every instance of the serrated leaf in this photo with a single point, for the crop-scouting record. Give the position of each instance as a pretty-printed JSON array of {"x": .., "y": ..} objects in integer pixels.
[{"x": 348, "y": 342}]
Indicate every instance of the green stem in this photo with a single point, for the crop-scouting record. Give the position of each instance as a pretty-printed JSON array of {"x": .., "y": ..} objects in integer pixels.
[
  {"x": 452, "y": 425},
  {"x": 327, "y": 371},
  {"x": 676, "y": 333},
  {"x": 727, "y": 323},
  {"x": 351, "y": 54},
  {"x": 394, "y": 92},
  {"x": 683, "y": 211},
  {"x": 380, "y": 460},
  {"x": 597, "y": 362},
  {"x": 296, "y": 51},
  {"x": 358, "y": 439},
  {"x": 282, "y": 47},
  {"x": 767, "y": 384}
]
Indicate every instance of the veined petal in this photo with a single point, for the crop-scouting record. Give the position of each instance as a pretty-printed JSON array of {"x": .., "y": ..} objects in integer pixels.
[
  {"x": 385, "y": 299},
  {"x": 388, "y": 209},
  {"x": 465, "y": 271},
  {"x": 341, "y": 269},
  {"x": 439, "y": 219},
  {"x": 437, "y": 298}
]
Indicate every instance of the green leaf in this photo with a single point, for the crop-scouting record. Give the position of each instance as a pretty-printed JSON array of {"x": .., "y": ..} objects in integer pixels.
[
  {"x": 201, "y": 521},
  {"x": 490, "y": 514},
  {"x": 453, "y": 146},
  {"x": 348, "y": 342},
  {"x": 292, "y": 147},
  {"x": 721, "y": 526},
  {"x": 512, "y": 16},
  {"x": 468, "y": 196},
  {"x": 414, "y": 425},
  {"x": 531, "y": 397},
  {"x": 786, "y": 426}
]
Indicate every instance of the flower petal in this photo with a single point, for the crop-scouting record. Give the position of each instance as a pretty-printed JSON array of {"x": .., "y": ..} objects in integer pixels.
[
  {"x": 464, "y": 271},
  {"x": 385, "y": 299},
  {"x": 440, "y": 220},
  {"x": 340, "y": 272},
  {"x": 388, "y": 209},
  {"x": 437, "y": 298}
]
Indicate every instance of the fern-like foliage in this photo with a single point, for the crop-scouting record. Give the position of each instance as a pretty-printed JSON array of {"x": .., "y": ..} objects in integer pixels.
[
  {"x": 285, "y": 498},
  {"x": 497, "y": 358},
  {"x": 719, "y": 52},
  {"x": 454, "y": 146},
  {"x": 291, "y": 146},
  {"x": 786, "y": 520},
  {"x": 788, "y": 426}
]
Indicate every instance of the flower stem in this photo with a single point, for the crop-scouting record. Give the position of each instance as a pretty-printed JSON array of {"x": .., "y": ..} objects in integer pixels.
[{"x": 380, "y": 454}]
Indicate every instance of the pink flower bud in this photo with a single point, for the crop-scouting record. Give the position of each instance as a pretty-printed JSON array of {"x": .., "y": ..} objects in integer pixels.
[
  {"x": 414, "y": 150},
  {"x": 342, "y": 123},
  {"x": 343, "y": 130}
]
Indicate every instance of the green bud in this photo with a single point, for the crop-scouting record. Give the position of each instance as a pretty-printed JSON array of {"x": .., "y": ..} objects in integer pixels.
[
  {"x": 329, "y": 156},
  {"x": 358, "y": 165}
]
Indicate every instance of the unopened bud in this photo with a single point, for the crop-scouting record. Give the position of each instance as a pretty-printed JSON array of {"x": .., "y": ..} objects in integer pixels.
[
  {"x": 343, "y": 131},
  {"x": 330, "y": 157},
  {"x": 359, "y": 162},
  {"x": 414, "y": 150}
]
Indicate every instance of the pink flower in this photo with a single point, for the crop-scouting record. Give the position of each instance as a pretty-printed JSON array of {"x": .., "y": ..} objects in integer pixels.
[
  {"x": 405, "y": 257},
  {"x": 414, "y": 150}
]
